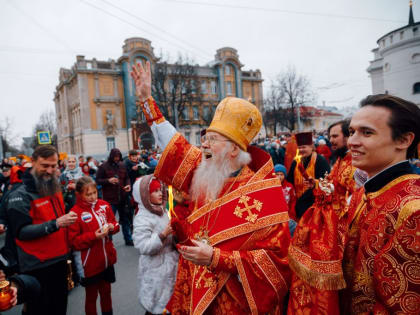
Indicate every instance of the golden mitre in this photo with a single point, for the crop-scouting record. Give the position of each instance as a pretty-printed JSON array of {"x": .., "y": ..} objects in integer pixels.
[{"x": 238, "y": 120}]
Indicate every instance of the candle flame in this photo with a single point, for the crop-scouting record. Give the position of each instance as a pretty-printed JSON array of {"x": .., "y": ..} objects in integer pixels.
[
  {"x": 297, "y": 157},
  {"x": 171, "y": 202}
]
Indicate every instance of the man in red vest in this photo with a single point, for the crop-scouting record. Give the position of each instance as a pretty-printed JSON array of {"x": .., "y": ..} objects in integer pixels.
[{"x": 38, "y": 223}]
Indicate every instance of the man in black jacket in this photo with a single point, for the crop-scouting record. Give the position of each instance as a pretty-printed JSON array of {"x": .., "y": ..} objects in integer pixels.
[{"x": 112, "y": 176}]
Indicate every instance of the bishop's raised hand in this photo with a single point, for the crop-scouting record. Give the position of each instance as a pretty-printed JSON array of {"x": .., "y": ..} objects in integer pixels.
[{"x": 143, "y": 80}]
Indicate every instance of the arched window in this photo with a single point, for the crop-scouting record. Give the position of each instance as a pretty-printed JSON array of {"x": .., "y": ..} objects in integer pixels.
[{"x": 416, "y": 88}]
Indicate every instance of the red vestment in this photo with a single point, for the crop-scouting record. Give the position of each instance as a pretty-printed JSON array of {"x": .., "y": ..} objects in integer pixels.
[
  {"x": 248, "y": 227},
  {"x": 317, "y": 247},
  {"x": 382, "y": 256},
  {"x": 291, "y": 149}
]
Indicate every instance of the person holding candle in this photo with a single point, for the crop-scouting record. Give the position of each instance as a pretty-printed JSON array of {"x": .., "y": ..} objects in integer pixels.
[
  {"x": 152, "y": 236},
  {"x": 94, "y": 252},
  {"x": 234, "y": 253},
  {"x": 304, "y": 169}
]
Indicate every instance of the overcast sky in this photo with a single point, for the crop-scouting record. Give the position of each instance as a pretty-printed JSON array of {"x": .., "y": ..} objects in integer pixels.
[{"x": 328, "y": 41}]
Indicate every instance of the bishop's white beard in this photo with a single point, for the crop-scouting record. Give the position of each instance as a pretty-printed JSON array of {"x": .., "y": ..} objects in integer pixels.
[{"x": 210, "y": 176}]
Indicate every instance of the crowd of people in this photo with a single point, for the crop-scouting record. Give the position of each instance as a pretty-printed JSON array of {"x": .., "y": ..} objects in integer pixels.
[{"x": 300, "y": 223}]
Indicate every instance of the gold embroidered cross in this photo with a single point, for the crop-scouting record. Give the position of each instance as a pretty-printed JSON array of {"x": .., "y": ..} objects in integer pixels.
[
  {"x": 208, "y": 282},
  {"x": 229, "y": 262},
  {"x": 252, "y": 217}
]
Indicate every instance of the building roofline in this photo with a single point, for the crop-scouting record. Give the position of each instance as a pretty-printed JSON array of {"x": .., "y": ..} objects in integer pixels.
[{"x": 396, "y": 30}]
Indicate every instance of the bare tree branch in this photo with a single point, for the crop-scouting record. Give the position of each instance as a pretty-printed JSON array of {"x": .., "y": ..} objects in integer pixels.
[{"x": 288, "y": 92}]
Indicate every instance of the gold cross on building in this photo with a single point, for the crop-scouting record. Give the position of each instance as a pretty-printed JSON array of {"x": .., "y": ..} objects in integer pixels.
[{"x": 251, "y": 217}]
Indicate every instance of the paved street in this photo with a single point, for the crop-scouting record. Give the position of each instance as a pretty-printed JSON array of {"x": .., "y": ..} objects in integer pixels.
[{"x": 124, "y": 290}]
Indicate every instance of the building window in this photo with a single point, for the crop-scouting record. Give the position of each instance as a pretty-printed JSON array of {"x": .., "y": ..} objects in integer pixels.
[
  {"x": 229, "y": 88},
  {"x": 416, "y": 88},
  {"x": 203, "y": 87},
  {"x": 187, "y": 136},
  {"x": 206, "y": 112},
  {"x": 391, "y": 39},
  {"x": 171, "y": 85},
  {"x": 213, "y": 87},
  {"x": 185, "y": 115},
  {"x": 110, "y": 143},
  {"x": 228, "y": 70},
  {"x": 195, "y": 113},
  {"x": 197, "y": 138},
  {"x": 193, "y": 87},
  {"x": 402, "y": 35}
]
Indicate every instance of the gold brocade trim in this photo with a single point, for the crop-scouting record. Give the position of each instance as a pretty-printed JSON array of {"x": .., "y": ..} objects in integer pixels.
[
  {"x": 249, "y": 227},
  {"x": 209, "y": 296},
  {"x": 186, "y": 166},
  {"x": 263, "y": 171},
  {"x": 165, "y": 154},
  {"x": 223, "y": 277},
  {"x": 160, "y": 120},
  {"x": 408, "y": 209},
  {"x": 270, "y": 271},
  {"x": 323, "y": 275},
  {"x": 298, "y": 176},
  {"x": 252, "y": 187},
  {"x": 393, "y": 183},
  {"x": 245, "y": 283},
  {"x": 246, "y": 172},
  {"x": 215, "y": 258}
]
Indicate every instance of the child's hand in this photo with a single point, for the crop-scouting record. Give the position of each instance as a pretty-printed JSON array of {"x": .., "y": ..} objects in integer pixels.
[
  {"x": 168, "y": 230},
  {"x": 101, "y": 234},
  {"x": 111, "y": 227}
]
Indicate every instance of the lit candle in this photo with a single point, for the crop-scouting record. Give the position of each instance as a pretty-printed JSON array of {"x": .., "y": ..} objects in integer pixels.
[
  {"x": 300, "y": 165},
  {"x": 5, "y": 295},
  {"x": 171, "y": 201}
]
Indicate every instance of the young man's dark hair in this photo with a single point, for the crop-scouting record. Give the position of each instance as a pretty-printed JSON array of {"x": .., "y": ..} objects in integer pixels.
[
  {"x": 344, "y": 127},
  {"x": 132, "y": 152},
  {"x": 44, "y": 151},
  {"x": 405, "y": 117}
]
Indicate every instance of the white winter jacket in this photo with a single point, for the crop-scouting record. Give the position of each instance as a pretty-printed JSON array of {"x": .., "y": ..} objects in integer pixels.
[{"x": 158, "y": 262}]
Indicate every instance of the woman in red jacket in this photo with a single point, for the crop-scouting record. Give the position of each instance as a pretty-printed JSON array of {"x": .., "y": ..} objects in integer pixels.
[{"x": 94, "y": 253}]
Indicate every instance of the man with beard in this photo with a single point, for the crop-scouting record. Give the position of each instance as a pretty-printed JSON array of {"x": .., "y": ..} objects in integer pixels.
[
  {"x": 342, "y": 173},
  {"x": 38, "y": 222},
  {"x": 234, "y": 236}
]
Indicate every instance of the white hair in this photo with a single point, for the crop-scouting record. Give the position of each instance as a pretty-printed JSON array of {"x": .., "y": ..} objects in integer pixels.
[{"x": 210, "y": 176}]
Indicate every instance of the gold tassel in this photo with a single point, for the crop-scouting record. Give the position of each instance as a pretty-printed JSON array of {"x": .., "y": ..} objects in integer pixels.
[{"x": 315, "y": 279}]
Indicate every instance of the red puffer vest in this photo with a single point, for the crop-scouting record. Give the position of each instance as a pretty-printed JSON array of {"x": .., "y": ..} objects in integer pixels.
[
  {"x": 53, "y": 245},
  {"x": 92, "y": 255}
]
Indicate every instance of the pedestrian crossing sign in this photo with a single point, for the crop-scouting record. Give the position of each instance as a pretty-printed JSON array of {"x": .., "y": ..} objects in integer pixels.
[{"x": 44, "y": 137}]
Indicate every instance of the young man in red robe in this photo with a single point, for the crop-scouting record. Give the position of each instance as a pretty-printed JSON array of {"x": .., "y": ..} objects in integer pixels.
[
  {"x": 379, "y": 256},
  {"x": 234, "y": 236}
]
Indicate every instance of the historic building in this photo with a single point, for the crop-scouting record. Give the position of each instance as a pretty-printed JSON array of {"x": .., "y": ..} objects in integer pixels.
[
  {"x": 95, "y": 100},
  {"x": 396, "y": 65}
]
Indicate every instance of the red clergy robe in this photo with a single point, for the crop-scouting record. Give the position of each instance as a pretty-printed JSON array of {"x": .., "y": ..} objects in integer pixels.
[
  {"x": 317, "y": 247},
  {"x": 248, "y": 227},
  {"x": 382, "y": 255}
]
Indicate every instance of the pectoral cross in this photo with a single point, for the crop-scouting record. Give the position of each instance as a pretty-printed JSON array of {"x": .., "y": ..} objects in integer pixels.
[{"x": 203, "y": 236}]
